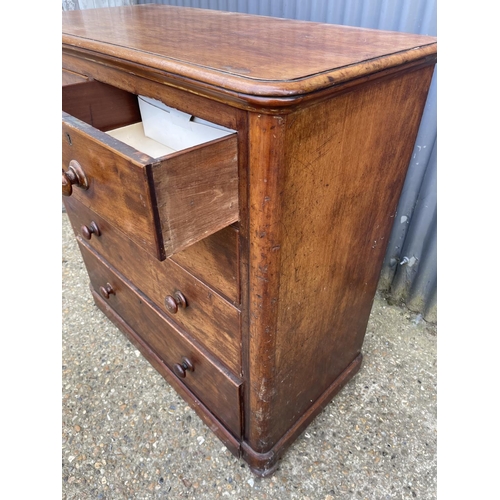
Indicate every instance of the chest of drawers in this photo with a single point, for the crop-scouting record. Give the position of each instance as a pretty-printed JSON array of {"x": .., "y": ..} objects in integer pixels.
[{"x": 243, "y": 267}]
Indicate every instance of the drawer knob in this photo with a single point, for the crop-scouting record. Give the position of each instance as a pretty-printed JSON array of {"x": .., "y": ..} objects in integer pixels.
[
  {"x": 88, "y": 231},
  {"x": 74, "y": 175},
  {"x": 106, "y": 291},
  {"x": 181, "y": 369},
  {"x": 172, "y": 303}
]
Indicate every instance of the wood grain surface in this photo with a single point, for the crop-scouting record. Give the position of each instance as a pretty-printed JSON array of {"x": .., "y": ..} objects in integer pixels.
[
  {"x": 208, "y": 318},
  {"x": 196, "y": 192},
  {"x": 216, "y": 387},
  {"x": 325, "y": 119},
  {"x": 335, "y": 192},
  {"x": 164, "y": 204},
  {"x": 210, "y": 420},
  {"x": 215, "y": 260},
  {"x": 119, "y": 189},
  {"x": 254, "y": 55}
]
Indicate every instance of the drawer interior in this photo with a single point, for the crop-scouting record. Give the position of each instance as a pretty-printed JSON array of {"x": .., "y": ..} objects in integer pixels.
[
  {"x": 134, "y": 136},
  {"x": 165, "y": 196},
  {"x": 145, "y": 124},
  {"x": 102, "y": 106}
]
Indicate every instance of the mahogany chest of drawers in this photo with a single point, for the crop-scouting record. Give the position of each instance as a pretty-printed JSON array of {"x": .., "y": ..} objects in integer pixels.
[{"x": 243, "y": 267}]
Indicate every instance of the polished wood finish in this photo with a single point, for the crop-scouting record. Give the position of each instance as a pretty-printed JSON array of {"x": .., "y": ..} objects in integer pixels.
[
  {"x": 274, "y": 299},
  {"x": 213, "y": 423},
  {"x": 249, "y": 55},
  {"x": 70, "y": 78},
  {"x": 163, "y": 204},
  {"x": 207, "y": 316},
  {"x": 215, "y": 261},
  {"x": 173, "y": 303},
  {"x": 75, "y": 175},
  {"x": 88, "y": 231},
  {"x": 180, "y": 369},
  {"x": 216, "y": 387},
  {"x": 120, "y": 193}
]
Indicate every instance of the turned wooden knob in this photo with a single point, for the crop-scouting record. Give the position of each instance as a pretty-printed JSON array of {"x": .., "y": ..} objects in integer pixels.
[
  {"x": 66, "y": 184},
  {"x": 181, "y": 369},
  {"x": 106, "y": 291},
  {"x": 73, "y": 176},
  {"x": 172, "y": 303},
  {"x": 88, "y": 231}
]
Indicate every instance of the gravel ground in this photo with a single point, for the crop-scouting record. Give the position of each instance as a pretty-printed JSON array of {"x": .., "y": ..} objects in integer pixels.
[{"x": 127, "y": 435}]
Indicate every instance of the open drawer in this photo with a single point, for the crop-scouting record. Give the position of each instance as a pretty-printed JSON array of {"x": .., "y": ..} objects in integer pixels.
[{"x": 163, "y": 203}]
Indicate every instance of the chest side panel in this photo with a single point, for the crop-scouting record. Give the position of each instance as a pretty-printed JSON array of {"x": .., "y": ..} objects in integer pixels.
[{"x": 342, "y": 172}]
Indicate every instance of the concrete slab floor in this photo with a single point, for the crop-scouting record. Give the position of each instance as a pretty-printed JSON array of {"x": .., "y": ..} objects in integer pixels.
[{"x": 127, "y": 435}]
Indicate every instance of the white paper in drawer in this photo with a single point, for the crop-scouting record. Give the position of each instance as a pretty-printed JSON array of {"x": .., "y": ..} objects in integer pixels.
[
  {"x": 133, "y": 135},
  {"x": 176, "y": 129}
]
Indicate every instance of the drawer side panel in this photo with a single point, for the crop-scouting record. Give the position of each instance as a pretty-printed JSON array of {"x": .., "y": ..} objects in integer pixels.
[
  {"x": 197, "y": 192},
  {"x": 215, "y": 260}
]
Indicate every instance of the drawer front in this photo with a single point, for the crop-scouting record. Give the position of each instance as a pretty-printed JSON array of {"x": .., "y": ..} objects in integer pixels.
[
  {"x": 209, "y": 318},
  {"x": 116, "y": 185},
  {"x": 216, "y": 387},
  {"x": 164, "y": 204}
]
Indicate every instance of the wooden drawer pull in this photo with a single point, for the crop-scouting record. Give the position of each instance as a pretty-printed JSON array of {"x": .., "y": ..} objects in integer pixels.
[
  {"x": 172, "y": 303},
  {"x": 106, "y": 291},
  {"x": 74, "y": 175},
  {"x": 181, "y": 369},
  {"x": 88, "y": 231}
]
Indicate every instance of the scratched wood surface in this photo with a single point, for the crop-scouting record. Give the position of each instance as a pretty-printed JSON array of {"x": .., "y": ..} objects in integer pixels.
[
  {"x": 325, "y": 120},
  {"x": 254, "y": 55},
  {"x": 164, "y": 204},
  {"x": 319, "y": 248},
  {"x": 208, "y": 317},
  {"x": 117, "y": 177},
  {"x": 215, "y": 260},
  {"x": 196, "y": 192},
  {"x": 216, "y": 387}
]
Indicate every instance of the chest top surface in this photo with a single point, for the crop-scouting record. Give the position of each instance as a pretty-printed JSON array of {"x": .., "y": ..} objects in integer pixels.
[{"x": 252, "y": 55}]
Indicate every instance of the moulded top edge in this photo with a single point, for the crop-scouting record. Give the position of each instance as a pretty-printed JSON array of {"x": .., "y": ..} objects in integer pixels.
[{"x": 252, "y": 55}]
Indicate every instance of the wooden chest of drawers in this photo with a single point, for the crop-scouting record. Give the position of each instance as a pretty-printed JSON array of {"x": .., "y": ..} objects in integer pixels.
[{"x": 243, "y": 267}]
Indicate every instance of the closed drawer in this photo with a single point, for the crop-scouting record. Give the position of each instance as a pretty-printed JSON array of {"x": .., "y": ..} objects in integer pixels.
[
  {"x": 164, "y": 203},
  {"x": 210, "y": 319},
  {"x": 216, "y": 387}
]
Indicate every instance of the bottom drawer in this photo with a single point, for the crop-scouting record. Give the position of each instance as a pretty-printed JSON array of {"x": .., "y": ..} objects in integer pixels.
[{"x": 216, "y": 387}]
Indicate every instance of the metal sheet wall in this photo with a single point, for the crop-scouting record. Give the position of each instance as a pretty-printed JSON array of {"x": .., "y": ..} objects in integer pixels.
[
  {"x": 94, "y": 4},
  {"x": 414, "y": 16},
  {"x": 409, "y": 273}
]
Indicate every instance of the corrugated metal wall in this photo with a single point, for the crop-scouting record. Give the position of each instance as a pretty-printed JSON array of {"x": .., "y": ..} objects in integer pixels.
[
  {"x": 409, "y": 274},
  {"x": 94, "y": 4}
]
